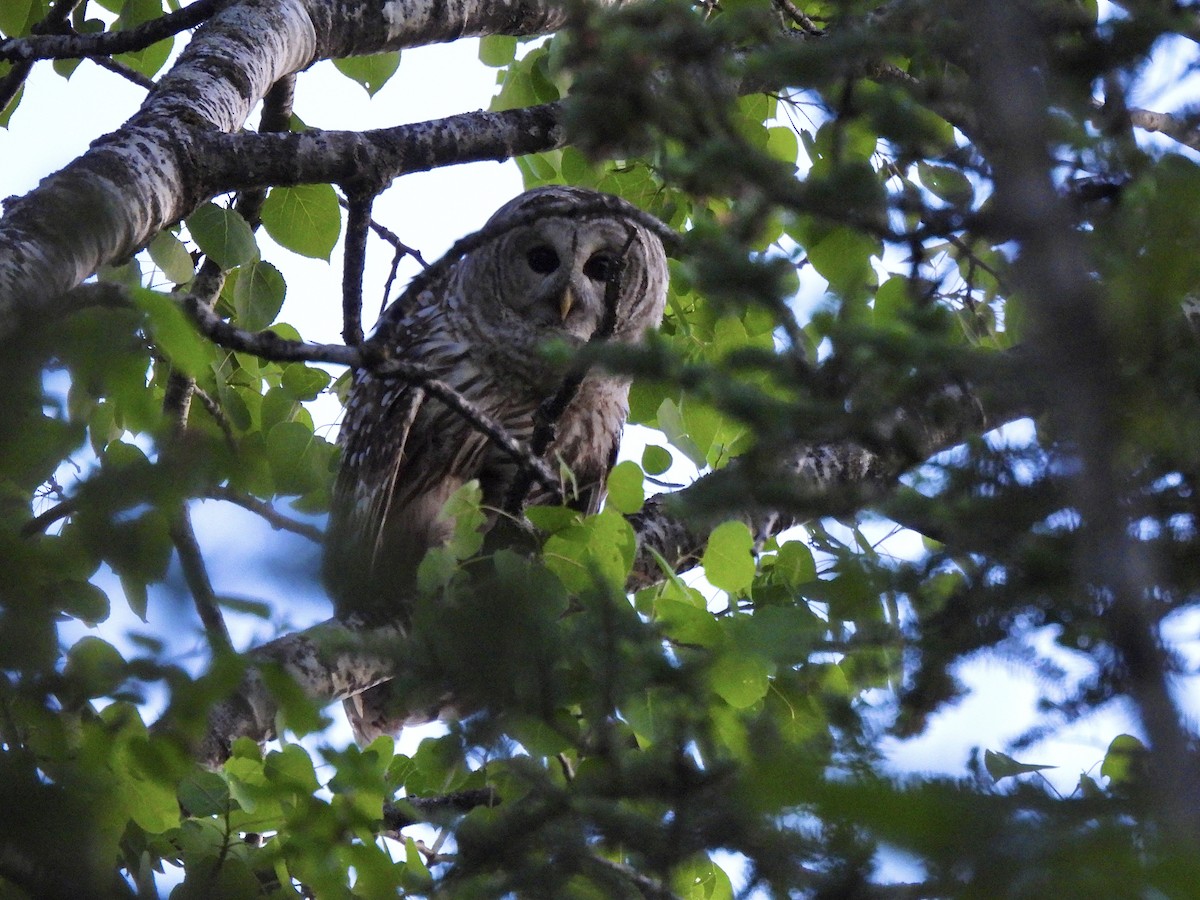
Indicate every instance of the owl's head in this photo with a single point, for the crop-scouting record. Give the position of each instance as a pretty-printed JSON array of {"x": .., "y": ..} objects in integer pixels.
[{"x": 566, "y": 263}]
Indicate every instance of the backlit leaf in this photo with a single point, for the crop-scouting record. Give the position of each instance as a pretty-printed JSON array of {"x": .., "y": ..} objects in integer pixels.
[
  {"x": 306, "y": 219},
  {"x": 729, "y": 557}
]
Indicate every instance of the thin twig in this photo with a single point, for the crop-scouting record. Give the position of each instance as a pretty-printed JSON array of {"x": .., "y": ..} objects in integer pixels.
[
  {"x": 396, "y": 816},
  {"x": 267, "y": 512},
  {"x": 377, "y": 360},
  {"x": 214, "y": 409},
  {"x": 196, "y": 575},
  {"x": 799, "y": 17},
  {"x": 127, "y": 72},
  {"x": 38, "y": 524}
]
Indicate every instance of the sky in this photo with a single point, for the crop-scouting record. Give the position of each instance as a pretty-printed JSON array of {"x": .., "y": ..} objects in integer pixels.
[{"x": 429, "y": 211}]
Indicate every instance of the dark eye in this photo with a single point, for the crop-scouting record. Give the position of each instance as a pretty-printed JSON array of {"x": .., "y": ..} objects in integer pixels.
[
  {"x": 600, "y": 267},
  {"x": 542, "y": 259}
]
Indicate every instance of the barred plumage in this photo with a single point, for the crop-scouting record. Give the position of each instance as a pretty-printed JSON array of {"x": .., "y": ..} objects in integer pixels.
[{"x": 545, "y": 272}]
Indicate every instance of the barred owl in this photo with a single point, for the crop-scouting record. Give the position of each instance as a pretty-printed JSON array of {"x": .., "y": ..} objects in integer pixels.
[{"x": 551, "y": 262}]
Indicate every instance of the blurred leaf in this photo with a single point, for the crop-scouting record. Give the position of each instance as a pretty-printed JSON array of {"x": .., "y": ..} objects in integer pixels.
[
  {"x": 601, "y": 545},
  {"x": 1119, "y": 761},
  {"x": 947, "y": 183},
  {"x": 625, "y": 487},
  {"x": 82, "y": 600},
  {"x": 203, "y": 793},
  {"x": 701, "y": 879},
  {"x": 741, "y": 680},
  {"x": 173, "y": 332},
  {"x": 1000, "y": 765},
  {"x": 729, "y": 557},
  {"x": 149, "y": 60}
]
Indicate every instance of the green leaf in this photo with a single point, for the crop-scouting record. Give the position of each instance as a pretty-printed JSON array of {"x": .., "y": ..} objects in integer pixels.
[
  {"x": 416, "y": 876},
  {"x": 94, "y": 667},
  {"x": 891, "y": 300},
  {"x": 843, "y": 258},
  {"x": 150, "y": 59},
  {"x": 741, "y": 680},
  {"x": 552, "y": 518},
  {"x": 173, "y": 332},
  {"x": 729, "y": 557},
  {"x": 463, "y": 509},
  {"x": 625, "y": 492},
  {"x": 946, "y": 183},
  {"x": 782, "y": 144},
  {"x": 13, "y": 15},
  {"x": 304, "y": 382},
  {"x": 686, "y": 623},
  {"x": 372, "y": 71},
  {"x": 601, "y": 545},
  {"x": 1000, "y": 765},
  {"x": 6, "y": 113},
  {"x": 82, "y": 600},
  {"x": 497, "y": 50},
  {"x": 299, "y": 459},
  {"x": 670, "y": 420},
  {"x": 1118, "y": 764},
  {"x": 305, "y": 219},
  {"x": 203, "y": 793},
  {"x": 258, "y": 295},
  {"x": 795, "y": 563},
  {"x": 170, "y": 255},
  {"x": 656, "y": 460},
  {"x": 223, "y": 235},
  {"x": 701, "y": 879},
  {"x": 135, "y": 596}
]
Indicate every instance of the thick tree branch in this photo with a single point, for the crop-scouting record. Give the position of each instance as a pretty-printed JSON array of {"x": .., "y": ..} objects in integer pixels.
[
  {"x": 246, "y": 160},
  {"x": 328, "y": 662},
  {"x": 1179, "y": 129},
  {"x": 155, "y": 170}
]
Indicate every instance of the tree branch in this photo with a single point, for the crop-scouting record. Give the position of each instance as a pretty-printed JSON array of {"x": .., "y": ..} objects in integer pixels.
[
  {"x": 107, "y": 43},
  {"x": 196, "y": 575},
  {"x": 357, "y": 224},
  {"x": 396, "y": 816},
  {"x": 266, "y": 512},
  {"x": 1177, "y": 128}
]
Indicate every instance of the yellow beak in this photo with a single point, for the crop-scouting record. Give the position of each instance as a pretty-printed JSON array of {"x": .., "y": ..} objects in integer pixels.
[{"x": 567, "y": 301}]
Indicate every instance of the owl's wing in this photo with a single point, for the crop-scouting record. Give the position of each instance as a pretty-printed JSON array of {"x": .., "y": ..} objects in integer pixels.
[{"x": 376, "y": 449}]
